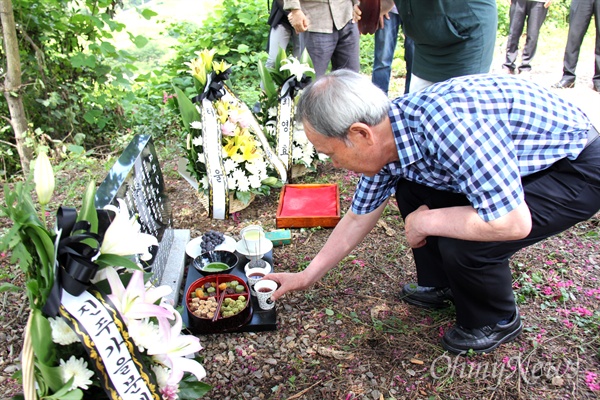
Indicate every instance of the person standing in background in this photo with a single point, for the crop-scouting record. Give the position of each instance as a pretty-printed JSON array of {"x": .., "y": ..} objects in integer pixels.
[
  {"x": 452, "y": 38},
  {"x": 580, "y": 16},
  {"x": 534, "y": 12},
  {"x": 281, "y": 33},
  {"x": 330, "y": 32},
  {"x": 386, "y": 38}
]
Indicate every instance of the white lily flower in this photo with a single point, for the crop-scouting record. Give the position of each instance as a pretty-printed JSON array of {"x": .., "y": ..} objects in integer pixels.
[
  {"x": 136, "y": 301},
  {"x": 123, "y": 236},
  {"x": 174, "y": 348},
  {"x": 295, "y": 67},
  {"x": 43, "y": 177}
]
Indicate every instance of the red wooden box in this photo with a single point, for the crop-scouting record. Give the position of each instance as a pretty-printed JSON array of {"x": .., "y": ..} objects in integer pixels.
[{"x": 308, "y": 205}]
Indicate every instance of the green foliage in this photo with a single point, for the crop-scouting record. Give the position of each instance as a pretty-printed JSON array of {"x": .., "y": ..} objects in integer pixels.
[
  {"x": 238, "y": 30},
  {"x": 503, "y": 18},
  {"x": 367, "y": 50},
  {"x": 73, "y": 76}
]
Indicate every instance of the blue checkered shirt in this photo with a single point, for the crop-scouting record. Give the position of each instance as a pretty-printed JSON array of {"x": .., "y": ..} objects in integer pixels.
[{"x": 476, "y": 135}]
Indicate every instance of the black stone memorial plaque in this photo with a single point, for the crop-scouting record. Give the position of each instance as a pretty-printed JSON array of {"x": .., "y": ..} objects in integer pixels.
[{"x": 137, "y": 179}]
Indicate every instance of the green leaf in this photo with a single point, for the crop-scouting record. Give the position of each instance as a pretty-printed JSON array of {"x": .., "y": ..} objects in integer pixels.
[
  {"x": 52, "y": 377},
  {"x": 329, "y": 312},
  {"x": 243, "y": 48},
  {"x": 80, "y": 60},
  {"x": 88, "y": 207},
  {"x": 267, "y": 81},
  {"x": 139, "y": 41},
  {"x": 244, "y": 197},
  {"x": 187, "y": 109},
  {"x": 147, "y": 13},
  {"x": 41, "y": 339},
  {"x": 107, "y": 48},
  {"x": 65, "y": 392},
  {"x": 191, "y": 389},
  {"x": 9, "y": 287},
  {"x": 113, "y": 260},
  {"x": 92, "y": 115}
]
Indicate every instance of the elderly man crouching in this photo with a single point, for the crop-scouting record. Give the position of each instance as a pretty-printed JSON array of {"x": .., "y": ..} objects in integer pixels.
[{"x": 481, "y": 166}]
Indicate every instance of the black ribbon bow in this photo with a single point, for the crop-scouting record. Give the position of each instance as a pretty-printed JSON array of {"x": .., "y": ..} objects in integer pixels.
[
  {"x": 292, "y": 85},
  {"x": 215, "y": 87},
  {"x": 77, "y": 247}
]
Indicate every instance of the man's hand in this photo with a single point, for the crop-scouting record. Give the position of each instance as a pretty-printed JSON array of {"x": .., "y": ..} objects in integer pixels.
[
  {"x": 356, "y": 13},
  {"x": 298, "y": 20},
  {"x": 463, "y": 222},
  {"x": 415, "y": 238},
  {"x": 288, "y": 282},
  {"x": 382, "y": 19}
]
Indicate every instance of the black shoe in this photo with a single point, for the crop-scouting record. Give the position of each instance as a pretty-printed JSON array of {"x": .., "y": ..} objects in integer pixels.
[
  {"x": 459, "y": 340},
  {"x": 597, "y": 87},
  {"x": 508, "y": 70},
  {"x": 427, "y": 297},
  {"x": 564, "y": 84}
]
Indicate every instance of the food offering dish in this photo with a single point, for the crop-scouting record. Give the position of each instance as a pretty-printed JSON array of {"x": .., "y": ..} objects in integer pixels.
[
  {"x": 215, "y": 262},
  {"x": 194, "y": 247},
  {"x": 218, "y": 303}
]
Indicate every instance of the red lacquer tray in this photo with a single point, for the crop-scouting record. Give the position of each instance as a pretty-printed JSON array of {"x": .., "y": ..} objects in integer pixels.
[
  {"x": 308, "y": 205},
  {"x": 220, "y": 324}
]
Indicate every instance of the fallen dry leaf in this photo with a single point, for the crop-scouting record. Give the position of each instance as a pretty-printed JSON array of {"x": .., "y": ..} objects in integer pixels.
[
  {"x": 337, "y": 354},
  {"x": 388, "y": 231}
]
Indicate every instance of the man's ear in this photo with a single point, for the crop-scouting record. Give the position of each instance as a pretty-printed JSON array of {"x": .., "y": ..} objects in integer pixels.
[{"x": 360, "y": 133}]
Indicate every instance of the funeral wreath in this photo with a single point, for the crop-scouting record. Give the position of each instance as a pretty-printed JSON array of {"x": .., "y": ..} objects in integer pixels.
[{"x": 97, "y": 327}]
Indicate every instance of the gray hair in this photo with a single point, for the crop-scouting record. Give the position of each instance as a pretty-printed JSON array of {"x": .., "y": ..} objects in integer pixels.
[{"x": 335, "y": 101}]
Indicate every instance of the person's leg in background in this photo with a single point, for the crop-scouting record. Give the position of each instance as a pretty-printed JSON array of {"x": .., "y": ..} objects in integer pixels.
[
  {"x": 579, "y": 20},
  {"x": 517, "y": 15},
  {"x": 386, "y": 39},
  {"x": 596, "y": 78},
  {"x": 536, "y": 12},
  {"x": 346, "y": 54},
  {"x": 409, "y": 51},
  {"x": 299, "y": 45},
  {"x": 279, "y": 37}
]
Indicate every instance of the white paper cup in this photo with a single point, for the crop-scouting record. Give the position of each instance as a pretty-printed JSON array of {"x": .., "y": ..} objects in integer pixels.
[
  {"x": 253, "y": 275},
  {"x": 264, "y": 289}
]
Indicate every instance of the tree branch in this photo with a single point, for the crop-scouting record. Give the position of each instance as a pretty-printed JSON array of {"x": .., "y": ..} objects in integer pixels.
[{"x": 39, "y": 54}]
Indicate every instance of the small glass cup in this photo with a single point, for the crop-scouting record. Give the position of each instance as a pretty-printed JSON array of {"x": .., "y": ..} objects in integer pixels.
[{"x": 252, "y": 236}]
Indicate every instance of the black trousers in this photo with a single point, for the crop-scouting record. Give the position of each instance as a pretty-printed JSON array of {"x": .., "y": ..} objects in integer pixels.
[
  {"x": 521, "y": 11},
  {"x": 478, "y": 272},
  {"x": 581, "y": 12}
]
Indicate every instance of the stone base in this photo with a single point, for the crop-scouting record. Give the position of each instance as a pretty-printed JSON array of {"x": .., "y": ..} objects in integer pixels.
[{"x": 175, "y": 267}]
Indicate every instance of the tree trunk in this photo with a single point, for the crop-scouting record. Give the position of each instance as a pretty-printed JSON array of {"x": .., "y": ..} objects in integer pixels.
[{"x": 12, "y": 84}]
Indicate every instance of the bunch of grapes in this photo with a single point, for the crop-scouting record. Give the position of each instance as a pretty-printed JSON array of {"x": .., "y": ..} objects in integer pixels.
[{"x": 210, "y": 240}]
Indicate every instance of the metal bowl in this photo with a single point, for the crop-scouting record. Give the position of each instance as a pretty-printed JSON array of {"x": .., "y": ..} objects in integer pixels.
[{"x": 223, "y": 256}]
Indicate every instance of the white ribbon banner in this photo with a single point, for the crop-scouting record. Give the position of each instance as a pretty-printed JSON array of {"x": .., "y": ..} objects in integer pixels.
[
  {"x": 284, "y": 130},
  {"x": 272, "y": 158},
  {"x": 218, "y": 205},
  {"x": 106, "y": 340}
]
